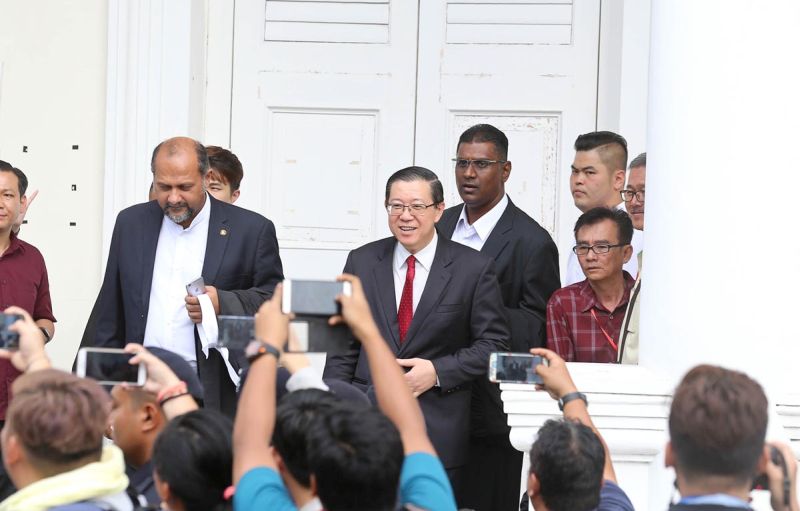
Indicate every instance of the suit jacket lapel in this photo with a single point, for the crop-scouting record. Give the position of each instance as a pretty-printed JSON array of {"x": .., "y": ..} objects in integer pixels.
[
  {"x": 447, "y": 224},
  {"x": 438, "y": 278},
  {"x": 218, "y": 234},
  {"x": 384, "y": 280},
  {"x": 498, "y": 239},
  {"x": 149, "y": 243}
]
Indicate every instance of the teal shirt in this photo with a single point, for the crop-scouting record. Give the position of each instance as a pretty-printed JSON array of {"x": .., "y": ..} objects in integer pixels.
[{"x": 423, "y": 483}]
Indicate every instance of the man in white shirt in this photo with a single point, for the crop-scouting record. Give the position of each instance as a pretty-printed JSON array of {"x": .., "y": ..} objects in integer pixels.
[
  {"x": 161, "y": 246},
  {"x": 438, "y": 305},
  {"x": 597, "y": 178},
  {"x": 526, "y": 259}
]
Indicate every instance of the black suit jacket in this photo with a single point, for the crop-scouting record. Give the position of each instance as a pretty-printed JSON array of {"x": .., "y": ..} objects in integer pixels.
[
  {"x": 526, "y": 259},
  {"x": 241, "y": 261},
  {"x": 458, "y": 322}
]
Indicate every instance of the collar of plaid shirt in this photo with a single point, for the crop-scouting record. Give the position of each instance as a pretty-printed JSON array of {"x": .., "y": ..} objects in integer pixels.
[{"x": 588, "y": 300}]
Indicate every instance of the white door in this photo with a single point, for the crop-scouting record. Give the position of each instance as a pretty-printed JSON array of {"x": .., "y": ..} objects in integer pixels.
[
  {"x": 332, "y": 96},
  {"x": 528, "y": 67},
  {"x": 322, "y": 114}
]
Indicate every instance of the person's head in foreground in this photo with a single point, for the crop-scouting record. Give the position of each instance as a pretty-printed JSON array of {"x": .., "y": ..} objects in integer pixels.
[
  {"x": 566, "y": 472},
  {"x": 193, "y": 462},
  {"x": 717, "y": 428},
  {"x": 224, "y": 174},
  {"x": 354, "y": 457},
  {"x": 55, "y": 425}
]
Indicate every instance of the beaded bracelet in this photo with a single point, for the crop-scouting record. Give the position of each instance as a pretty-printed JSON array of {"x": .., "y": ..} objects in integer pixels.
[{"x": 172, "y": 391}]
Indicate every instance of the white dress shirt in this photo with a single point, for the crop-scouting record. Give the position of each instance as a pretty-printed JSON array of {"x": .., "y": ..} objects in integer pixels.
[
  {"x": 422, "y": 269},
  {"x": 474, "y": 236},
  {"x": 179, "y": 260},
  {"x": 575, "y": 273}
]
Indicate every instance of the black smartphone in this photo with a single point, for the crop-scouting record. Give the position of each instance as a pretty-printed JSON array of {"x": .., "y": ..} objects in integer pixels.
[
  {"x": 8, "y": 340},
  {"x": 236, "y": 332},
  {"x": 314, "y": 334},
  {"x": 109, "y": 366},
  {"x": 313, "y": 297},
  {"x": 761, "y": 482},
  {"x": 514, "y": 368}
]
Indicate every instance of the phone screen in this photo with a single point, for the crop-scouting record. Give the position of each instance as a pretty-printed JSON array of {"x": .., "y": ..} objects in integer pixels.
[
  {"x": 514, "y": 368},
  {"x": 236, "y": 331},
  {"x": 109, "y": 367},
  {"x": 315, "y": 297},
  {"x": 8, "y": 339}
]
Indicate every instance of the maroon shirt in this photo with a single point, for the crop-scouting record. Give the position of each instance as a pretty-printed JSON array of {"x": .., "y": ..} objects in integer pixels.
[
  {"x": 23, "y": 282},
  {"x": 575, "y": 333}
]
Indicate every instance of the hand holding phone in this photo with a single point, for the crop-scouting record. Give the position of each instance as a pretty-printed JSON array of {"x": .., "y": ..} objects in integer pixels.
[
  {"x": 27, "y": 354},
  {"x": 9, "y": 338}
]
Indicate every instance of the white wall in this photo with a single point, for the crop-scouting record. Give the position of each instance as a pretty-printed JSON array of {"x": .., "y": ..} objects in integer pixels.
[{"x": 52, "y": 96}]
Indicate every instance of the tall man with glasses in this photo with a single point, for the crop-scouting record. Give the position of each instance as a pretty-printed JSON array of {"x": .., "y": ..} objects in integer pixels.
[
  {"x": 633, "y": 195},
  {"x": 584, "y": 319},
  {"x": 438, "y": 305},
  {"x": 596, "y": 180},
  {"x": 526, "y": 259}
]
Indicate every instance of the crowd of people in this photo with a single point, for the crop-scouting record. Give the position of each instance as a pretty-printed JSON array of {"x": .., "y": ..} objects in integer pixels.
[{"x": 406, "y": 416}]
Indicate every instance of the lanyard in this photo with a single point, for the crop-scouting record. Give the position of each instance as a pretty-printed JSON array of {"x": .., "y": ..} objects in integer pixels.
[{"x": 608, "y": 337}]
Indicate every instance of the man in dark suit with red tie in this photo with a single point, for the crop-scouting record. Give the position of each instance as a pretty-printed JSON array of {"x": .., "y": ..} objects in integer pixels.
[{"x": 437, "y": 304}]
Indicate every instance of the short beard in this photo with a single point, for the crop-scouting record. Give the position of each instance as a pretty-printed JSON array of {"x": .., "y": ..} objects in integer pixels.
[{"x": 179, "y": 219}]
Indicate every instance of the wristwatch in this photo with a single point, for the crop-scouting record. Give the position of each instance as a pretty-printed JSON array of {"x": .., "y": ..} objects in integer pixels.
[
  {"x": 572, "y": 396},
  {"x": 47, "y": 334},
  {"x": 257, "y": 347}
]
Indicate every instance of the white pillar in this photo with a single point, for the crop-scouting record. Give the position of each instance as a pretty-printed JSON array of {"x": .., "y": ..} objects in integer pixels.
[{"x": 721, "y": 268}]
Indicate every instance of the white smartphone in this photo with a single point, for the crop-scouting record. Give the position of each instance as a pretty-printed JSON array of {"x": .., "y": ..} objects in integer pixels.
[
  {"x": 109, "y": 366},
  {"x": 196, "y": 287},
  {"x": 514, "y": 368},
  {"x": 313, "y": 297}
]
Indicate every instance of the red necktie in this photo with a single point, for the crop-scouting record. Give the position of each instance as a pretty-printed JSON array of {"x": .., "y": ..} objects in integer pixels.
[{"x": 406, "y": 310}]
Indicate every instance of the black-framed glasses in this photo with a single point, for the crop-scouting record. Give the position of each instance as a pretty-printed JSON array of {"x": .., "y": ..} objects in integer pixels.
[
  {"x": 600, "y": 248},
  {"x": 463, "y": 164},
  {"x": 628, "y": 195},
  {"x": 416, "y": 209}
]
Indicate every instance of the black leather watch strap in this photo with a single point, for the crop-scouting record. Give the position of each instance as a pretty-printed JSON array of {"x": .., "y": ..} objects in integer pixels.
[
  {"x": 572, "y": 396},
  {"x": 258, "y": 348}
]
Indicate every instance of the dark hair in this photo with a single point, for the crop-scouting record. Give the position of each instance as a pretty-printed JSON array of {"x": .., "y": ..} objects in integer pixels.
[
  {"x": 58, "y": 418},
  {"x": 612, "y": 148},
  {"x": 226, "y": 164},
  {"x": 618, "y": 216},
  {"x": 486, "y": 133},
  {"x": 173, "y": 146},
  {"x": 355, "y": 454},
  {"x": 194, "y": 455},
  {"x": 718, "y": 423},
  {"x": 568, "y": 459},
  {"x": 639, "y": 161},
  {"x": 297, "y": 411},
  {"x": 409, "y": 174},
  {"x": 21, "y": 177}
]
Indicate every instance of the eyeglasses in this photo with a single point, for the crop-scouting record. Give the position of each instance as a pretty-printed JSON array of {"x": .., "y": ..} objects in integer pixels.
[
  {"x": 600, "y": 248},
  {"x": 479, "y": 164},
  {"x": 415, "y": 209},
  {"x": 628, "y": 195}
]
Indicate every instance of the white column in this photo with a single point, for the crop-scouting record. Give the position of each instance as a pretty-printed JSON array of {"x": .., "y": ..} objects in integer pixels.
[
  {"x": 721, "y": 266},
  {"x": 719, "y": 275},
  {"x": 155, "y": 90}
]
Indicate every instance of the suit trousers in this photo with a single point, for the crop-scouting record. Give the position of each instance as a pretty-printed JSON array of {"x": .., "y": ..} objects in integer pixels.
[{"x": 219, "y": 392}]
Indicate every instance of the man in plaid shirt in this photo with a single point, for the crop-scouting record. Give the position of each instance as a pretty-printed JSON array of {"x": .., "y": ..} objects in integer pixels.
[{"x": 584, "y": 319}]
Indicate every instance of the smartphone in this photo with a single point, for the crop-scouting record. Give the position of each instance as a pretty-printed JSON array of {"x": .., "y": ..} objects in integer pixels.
[
  {"x": 313, "y": 334},
  {"x": 236, "y": 332},
  {"x": 514, "y": 368},
  {"x": 760, "y": 482},
  {"x": 8, "y": 340},
  {"x": 109, "y": 366},
  {"x": 313, "y": 297},
  {"x": 196, "y": 287}
]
